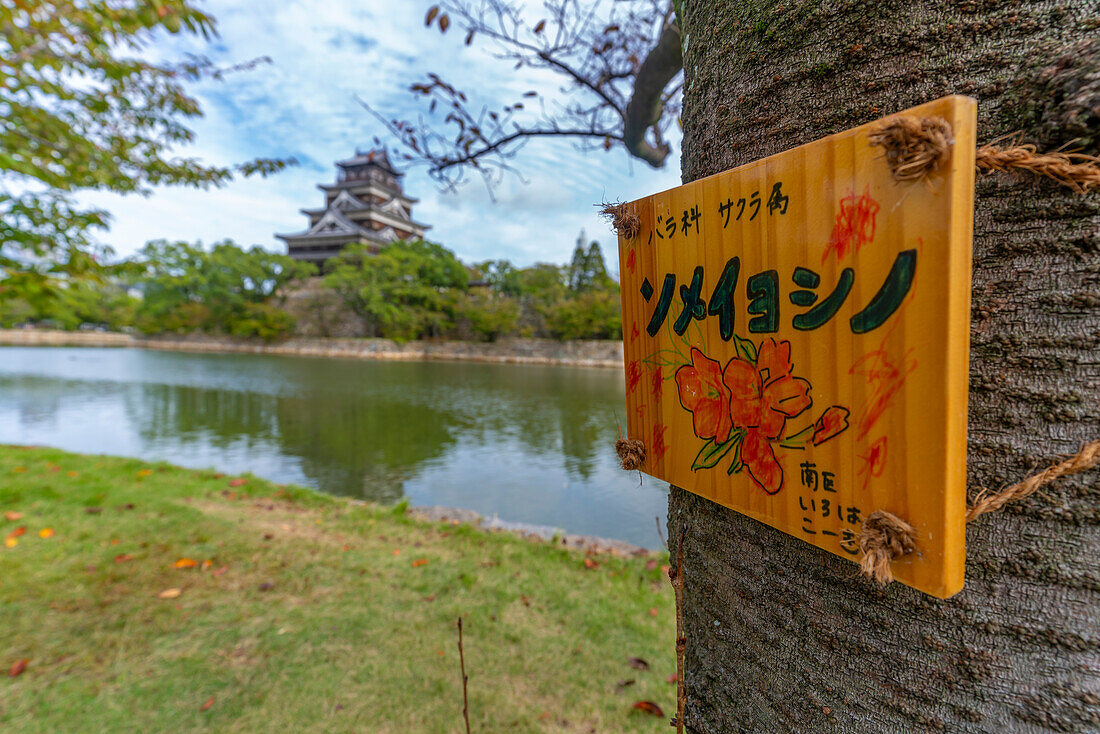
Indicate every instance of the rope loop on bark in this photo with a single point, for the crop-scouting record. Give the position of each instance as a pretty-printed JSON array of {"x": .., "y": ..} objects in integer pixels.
[
  {"x": 631, "y": 453},
  {"x": 1084, "y": 459},
  {"x": 1077, "y": 171},
  {"x": 885, "y": 537},
  {"x": 624, "y": 219},
  {"x": 915, "y": 146}
]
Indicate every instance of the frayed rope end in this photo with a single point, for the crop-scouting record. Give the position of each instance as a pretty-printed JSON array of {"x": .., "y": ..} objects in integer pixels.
[
  {"x": 884, "y": 538},
  {"x": 624, "y": 219},
  {"x": 631, "y": 453},
  {"x": 914, "y": 146}
]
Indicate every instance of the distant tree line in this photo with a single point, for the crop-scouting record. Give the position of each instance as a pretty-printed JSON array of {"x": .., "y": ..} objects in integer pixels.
[{"x": 409, "y": 290}]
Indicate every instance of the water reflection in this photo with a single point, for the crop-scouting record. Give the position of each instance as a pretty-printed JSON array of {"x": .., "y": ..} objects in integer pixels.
[{"x": 532, "y": 444}]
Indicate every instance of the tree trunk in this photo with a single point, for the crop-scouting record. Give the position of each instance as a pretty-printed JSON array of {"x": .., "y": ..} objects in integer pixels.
[{"x": 784, "y": 637}]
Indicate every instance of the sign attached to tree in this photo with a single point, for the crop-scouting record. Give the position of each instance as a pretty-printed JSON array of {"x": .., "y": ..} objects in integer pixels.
[{"x": 796, "y": 334}]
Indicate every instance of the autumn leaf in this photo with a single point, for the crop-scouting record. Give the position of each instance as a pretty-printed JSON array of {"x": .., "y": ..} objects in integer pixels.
[
  {"x": 540, "y": 26},
  {"x": 219, "y": 571},
  {"x": 651, "y": 565},
  {"x": 12, "y": 515},
  {"x": 649, "y": 707},
  {"x": 432, "y": 12},
  {"x": 185, "y": 563},
  {"x": 170, "y": 593},
  {"x": 70, "y": 474},
  {"x": 207, "y": 564},
  {"x": 18, "y": 667},
  {"x": 672, "y": 678},
  {"x": 637, "y": 663},
  {"x": 397, "y": 551},
  {"x": 239, "y": 482},
  {"x": 420, "y": 562},
  {"x": 590, "y": 564},
  {"x": 10, "y": 542},
  {"x": 145, "y": 473},
  {"x": 45, "y": 533},
  {"x": 653, "y": 611},
  {"x": 21, "y": 530},
  {"x": 19, "y": 469},
  {"x": 123, "y": 557},
  {"x": 207, "y": 704}
]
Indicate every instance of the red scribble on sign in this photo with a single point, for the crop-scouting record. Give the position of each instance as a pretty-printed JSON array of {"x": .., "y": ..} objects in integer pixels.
[
  {"x": 656, "y": 383},
  {"x": 633, "y": 375},
  {"x": 874, "y": 461},
  {"x": 640, "y": 410},
  {"x": 658, "y": 443},
  {"x": 854, "y": 227},
  {"x": 886, "y": 377},
  {"x": 632, "y": 260},
  {"x": 634, "y": 333}
]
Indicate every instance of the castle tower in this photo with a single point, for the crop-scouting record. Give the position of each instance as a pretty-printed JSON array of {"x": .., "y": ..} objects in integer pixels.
[{"x": 366, "y": 205}]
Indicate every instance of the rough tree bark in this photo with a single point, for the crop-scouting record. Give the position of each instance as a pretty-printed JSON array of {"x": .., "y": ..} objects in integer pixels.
[{"x": 784, "y": 637}]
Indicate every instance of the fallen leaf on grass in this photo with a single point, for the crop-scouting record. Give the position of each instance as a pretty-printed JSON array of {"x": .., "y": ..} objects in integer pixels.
[
  {"x": 10, "y": 542},
  {"x": 672, "y": 678},
  {"x": 637, "y": 663},
  {"x": 142, "y": 473},
  {"x": 93, "y": 510},
  {"x": 651, "y": 565},
  {"x": 653, "y": 612},
  {"x": 420, "y": 562},
  {"x": 12, "y": 515},
  {"x": 429, "y": 597},
  {"x": 397, "y": 551},
  {"x": 207, "y": 704},
  {"x": 18, "y": 667},
  {"x": 266, "y": 586},
  {"x": 19, "y": 469},
  {"x": 346, "y": 547},
  {"x": 237, "y": 482},
  {"x": 590, "y": 564},
  {"x": 649, "y": 707},
  {"x": 123, "y": 557},
  {"x": 71, "y": 474},
  {"x": 185, "y": 563},
  {"x": 45, "y": 533},
  {"x": 625, "y": 683},
  {"x": 169, "y": 593},
  {"x": 219, "y": 571},
  {"x": 22, "y": 529},
  {"x": 207, "y": 564}
]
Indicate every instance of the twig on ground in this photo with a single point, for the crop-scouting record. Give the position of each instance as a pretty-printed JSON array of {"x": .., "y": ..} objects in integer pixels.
[{"x": 462, "y": 664}]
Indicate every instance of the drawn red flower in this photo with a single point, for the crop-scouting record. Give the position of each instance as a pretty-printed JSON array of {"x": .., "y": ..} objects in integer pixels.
[
  {"x": 703, "y": 392},
  {"x": 763, "y": 396},
  {"x": 832, "y": 423}
]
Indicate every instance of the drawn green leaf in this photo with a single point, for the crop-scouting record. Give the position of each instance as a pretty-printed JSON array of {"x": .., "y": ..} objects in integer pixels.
[
  {"x": 711, "y": 453},
  {"x": 736, "y": 465},
  {"x": 746, "y": 350}
]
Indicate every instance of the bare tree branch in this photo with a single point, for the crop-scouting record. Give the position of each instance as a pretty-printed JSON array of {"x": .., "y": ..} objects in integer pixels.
[{"x": 619, "y": 59}]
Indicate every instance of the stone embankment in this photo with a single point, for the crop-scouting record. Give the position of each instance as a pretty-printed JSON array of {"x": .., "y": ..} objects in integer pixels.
[{"x": 510, "y": 351}]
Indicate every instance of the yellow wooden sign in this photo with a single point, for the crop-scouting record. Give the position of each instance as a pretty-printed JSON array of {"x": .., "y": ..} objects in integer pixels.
[{"x": 797, "y": 333}]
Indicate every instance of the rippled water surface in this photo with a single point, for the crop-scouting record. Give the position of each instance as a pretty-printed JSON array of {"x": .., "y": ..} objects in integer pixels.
[{"x": 529, "y": 444}]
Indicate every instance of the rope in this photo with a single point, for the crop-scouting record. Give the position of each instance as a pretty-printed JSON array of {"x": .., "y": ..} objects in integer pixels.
[
  {"x": 917, "y": 146},
  {"x": 885, "y": 537},
  {"x": 631, "y": 453},
  {"x": 623, "y": 218}
]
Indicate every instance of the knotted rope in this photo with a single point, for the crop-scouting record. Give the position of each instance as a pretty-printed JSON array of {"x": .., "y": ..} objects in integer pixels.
[
  {"x": 885, "y": 537},
  {"x": 624, "y": 219},
  {"x": 917, "y": 146},
  {"x": 631, "y": 453}
]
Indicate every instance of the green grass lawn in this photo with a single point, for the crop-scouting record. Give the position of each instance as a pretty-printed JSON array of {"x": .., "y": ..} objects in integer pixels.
[{"x": 313, "y": 614}]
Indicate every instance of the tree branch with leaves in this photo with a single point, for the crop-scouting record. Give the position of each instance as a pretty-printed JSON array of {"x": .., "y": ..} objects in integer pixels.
[
  {"x": 82, "y": 110},
  {"x": 619, "y": 60}
]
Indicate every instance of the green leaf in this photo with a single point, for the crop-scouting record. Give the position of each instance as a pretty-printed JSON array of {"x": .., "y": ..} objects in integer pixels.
[
  {"x": 736, "y": 465},
  {"x": 746, "y": 350},
  {"x": 711, "y": 453}
]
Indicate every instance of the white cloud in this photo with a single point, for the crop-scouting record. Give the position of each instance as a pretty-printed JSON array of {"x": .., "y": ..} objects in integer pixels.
[{"x": 324, "y": 54}]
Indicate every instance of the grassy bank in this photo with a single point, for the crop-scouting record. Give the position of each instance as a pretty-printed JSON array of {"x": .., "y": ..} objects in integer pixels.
[{"x": 313, "y": 613}]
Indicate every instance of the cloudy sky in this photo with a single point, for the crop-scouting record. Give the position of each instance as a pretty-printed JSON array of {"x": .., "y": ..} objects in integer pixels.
[{"x": 326, "y": 54}]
